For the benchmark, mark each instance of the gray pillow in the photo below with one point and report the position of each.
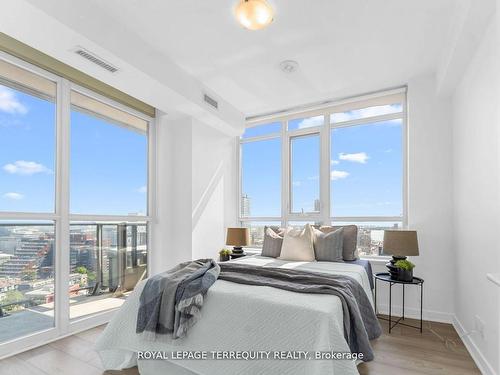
(273, 240)
(328, 247)
(349, 249)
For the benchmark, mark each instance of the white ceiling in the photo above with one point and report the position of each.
(344, 47)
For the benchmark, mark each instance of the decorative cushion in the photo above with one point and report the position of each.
(273, 240)
(298, 245)
(328, 247)
(350, 239)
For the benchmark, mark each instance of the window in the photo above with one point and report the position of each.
(367, 170)
(108, 176)
(257, 231)
(358, 114)
(263, 130)
(106, 261)
(74, 221)
(261, 160)
(341, 164)
(304, 123)
(109, 153)
(27, 188)
(371, 235)
(27, 141)
(27, 278)
(304, 169)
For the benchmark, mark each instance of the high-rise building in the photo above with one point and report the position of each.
(317, 205)
(31, 255)
(245, 205)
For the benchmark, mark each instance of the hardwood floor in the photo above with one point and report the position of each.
(437, 351)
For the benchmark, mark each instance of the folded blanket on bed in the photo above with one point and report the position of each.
(170, 302)
(360, 321)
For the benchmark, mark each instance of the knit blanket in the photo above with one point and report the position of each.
(170, 302)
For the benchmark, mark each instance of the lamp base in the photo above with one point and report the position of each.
(393, 270)
(238, 252)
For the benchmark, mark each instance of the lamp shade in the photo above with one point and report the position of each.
(238, 237)
(401, 242)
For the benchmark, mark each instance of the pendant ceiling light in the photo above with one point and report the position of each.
(254, 14)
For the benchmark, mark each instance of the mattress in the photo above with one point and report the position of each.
(244, 318)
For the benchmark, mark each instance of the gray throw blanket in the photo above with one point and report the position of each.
(360, 321)
(170, 302)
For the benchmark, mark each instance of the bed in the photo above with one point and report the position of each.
(238, 317)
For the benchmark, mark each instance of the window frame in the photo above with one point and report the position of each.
(324, 216)
(61, 216)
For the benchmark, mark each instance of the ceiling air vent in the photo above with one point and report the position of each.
(95, 59)
(210, 101)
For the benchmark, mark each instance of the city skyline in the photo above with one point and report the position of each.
(102, 259)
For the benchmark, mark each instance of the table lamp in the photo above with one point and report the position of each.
(399, 244)
(238, 237)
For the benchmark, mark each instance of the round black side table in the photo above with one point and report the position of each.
(386, 277)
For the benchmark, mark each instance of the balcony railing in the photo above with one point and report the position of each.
(106, 259)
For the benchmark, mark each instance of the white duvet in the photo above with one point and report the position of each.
(237, 317)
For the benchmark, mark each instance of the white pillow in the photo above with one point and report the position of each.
(298, 245)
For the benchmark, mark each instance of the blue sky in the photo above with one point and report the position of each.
(365, 171)
(366, 165)
(261, 163)
(108, 162)
(109, 165)
(305, 155)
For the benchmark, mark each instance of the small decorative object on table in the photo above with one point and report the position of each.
(224, 255)
(238, 237)
(399, 244)
(405, 270)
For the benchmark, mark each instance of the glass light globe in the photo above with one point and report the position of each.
(254, 14)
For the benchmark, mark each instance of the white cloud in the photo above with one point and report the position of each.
(297, 183)
(9, 103)
(311, 122)
(334, 162)
(26, 168)
(338, 175)
(366, 112)
(13, 196)
(359, 157)
(143, 189)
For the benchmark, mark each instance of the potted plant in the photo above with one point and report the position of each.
(225, 255)
(405, 270)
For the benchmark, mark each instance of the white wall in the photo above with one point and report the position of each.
(172, 228)
(476, 170)
(214, 166)
(429, 204)
(195, 191)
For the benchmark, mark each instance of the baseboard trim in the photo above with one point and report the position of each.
(478, 357)
(430, 315)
